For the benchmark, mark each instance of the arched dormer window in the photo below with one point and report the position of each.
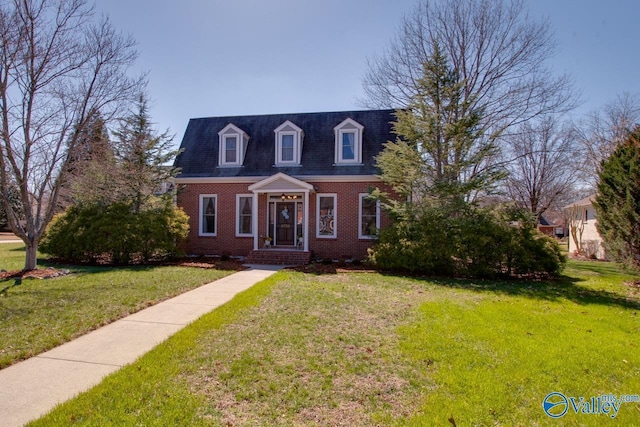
(348, 136)
(288, 144)
(233, 143)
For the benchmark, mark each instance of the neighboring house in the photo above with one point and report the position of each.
(549, 227)
(277, 188)
(546, 227)
(583, 235)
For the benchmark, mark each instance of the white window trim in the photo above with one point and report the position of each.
(298, 135)
(232, 131)
(238, 208)
(201, 214)
(279, 159)
(223, 149)
(335, 216)
(361, 197)
(348, 126)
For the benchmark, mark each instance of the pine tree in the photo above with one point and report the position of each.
(143, 156)
(617, 201)
(441, 154)
(91, 175)
(12, 195)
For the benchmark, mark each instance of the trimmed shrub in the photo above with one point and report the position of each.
(534, 253)
(468, 242)
(115, 233)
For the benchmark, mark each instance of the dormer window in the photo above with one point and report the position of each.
(348, 148)
(288, 144)
(233, 143)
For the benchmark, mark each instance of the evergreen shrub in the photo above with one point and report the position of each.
(115, 233)
(470, 243)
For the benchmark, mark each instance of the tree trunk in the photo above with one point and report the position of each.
(31, 258)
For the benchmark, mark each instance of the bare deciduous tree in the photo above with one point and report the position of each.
(601, 131)
(57, 65)
(542, 165)
(576, 222)
(499, 51)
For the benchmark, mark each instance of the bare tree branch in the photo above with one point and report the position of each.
(499, 51)
(57, 64)
(601, 131)
(543, 165)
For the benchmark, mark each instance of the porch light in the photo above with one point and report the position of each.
(288, 197)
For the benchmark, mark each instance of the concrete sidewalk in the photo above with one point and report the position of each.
(32, 388)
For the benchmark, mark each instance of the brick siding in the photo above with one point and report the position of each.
(345, 245)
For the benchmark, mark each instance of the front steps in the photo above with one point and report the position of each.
(277, 256)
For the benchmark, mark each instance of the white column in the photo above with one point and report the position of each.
(305, 221)
(254, 221)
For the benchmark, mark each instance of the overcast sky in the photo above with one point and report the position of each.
(237, 57)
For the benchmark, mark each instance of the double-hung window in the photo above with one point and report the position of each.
(369, 217)
(288, 144)
(232, 146)
(230, 149)
(244, 215)
(286, 148)
(348, 137)
(348, 147)
(208, 214)
(326, 226)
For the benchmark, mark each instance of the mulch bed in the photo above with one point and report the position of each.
(40, 273)
(208, 262)
(50, 272)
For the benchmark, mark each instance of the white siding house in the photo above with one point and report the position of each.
(583, 235)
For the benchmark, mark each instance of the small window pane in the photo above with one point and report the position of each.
(209, 215)
(348, 146)
(369, 219)
(326, 225)
(287, 148)
(244, 222)
(231, 149)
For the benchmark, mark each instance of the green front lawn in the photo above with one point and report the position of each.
(370, 349)
(39, 314)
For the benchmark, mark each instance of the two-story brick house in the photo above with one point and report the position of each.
(277, 188)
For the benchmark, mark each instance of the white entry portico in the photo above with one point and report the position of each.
(287, 210)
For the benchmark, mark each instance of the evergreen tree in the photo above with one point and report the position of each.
(143, 156)
(91, 175)
(442, 154)
(617, 201)
(12, 195)
(441, 160)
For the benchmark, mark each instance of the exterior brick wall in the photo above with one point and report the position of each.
(347, 244)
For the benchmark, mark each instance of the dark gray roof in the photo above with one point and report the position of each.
(545, 222)
(199, 157)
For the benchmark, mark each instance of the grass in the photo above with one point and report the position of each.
(370, 349)
(37, 315)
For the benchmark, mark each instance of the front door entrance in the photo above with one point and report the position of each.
(285, 223)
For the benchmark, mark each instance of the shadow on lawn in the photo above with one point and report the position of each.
(545, 289)
(549, 290)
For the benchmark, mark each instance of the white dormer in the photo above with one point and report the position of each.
(233, 143)
(288, 144)
(348, 149)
